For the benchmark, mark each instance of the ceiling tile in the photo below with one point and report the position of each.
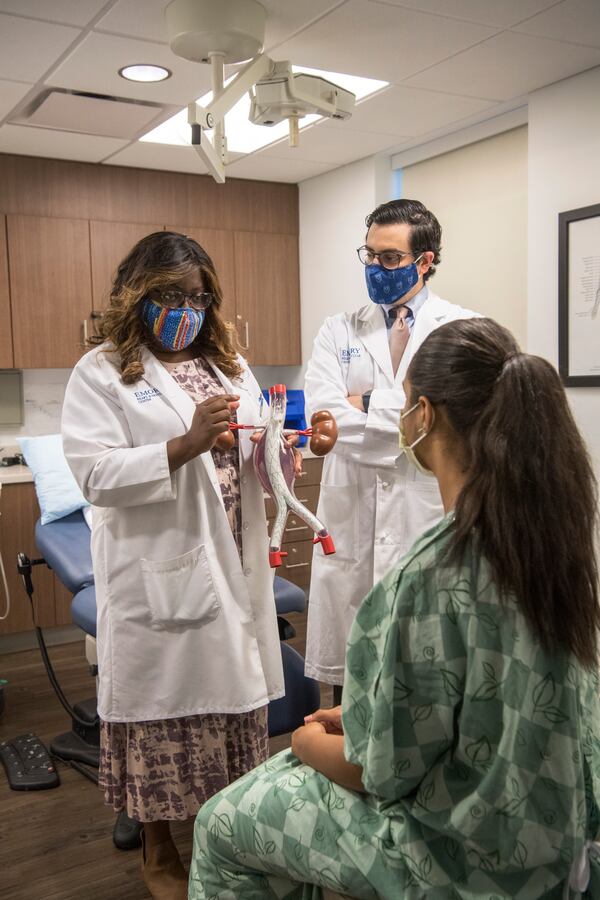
(159, 156)
(28, 47)
(408, 112)
(284, 17)
(322, 143)
(11, 92)
(56, 144)
(390, 45)
(506, 66)
(573, 20)
(94, 66)
(269, 169)
(486, 12)
(66, 12)
(124, 18)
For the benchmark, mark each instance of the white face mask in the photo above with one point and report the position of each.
(408, 449)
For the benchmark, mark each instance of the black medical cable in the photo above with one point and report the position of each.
(24, 565)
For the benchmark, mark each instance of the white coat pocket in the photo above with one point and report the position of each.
(338, 510)
(180, 591)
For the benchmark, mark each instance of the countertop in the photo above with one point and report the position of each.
(20, 474)
(15, 474)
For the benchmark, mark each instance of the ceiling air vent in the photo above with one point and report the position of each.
(87, 113)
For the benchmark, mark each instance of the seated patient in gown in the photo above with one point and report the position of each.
(464, 761)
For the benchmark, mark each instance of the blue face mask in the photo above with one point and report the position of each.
(174, 329)
(389, 285)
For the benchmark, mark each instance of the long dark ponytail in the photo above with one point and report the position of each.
(530, 499)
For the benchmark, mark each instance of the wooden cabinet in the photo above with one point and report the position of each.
(218, 243)
(50, 289)
(6, 350)
(110, 242)
(65, 227)
(267, 298)
(298, 537)
(19, 513)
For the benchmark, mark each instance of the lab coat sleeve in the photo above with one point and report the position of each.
(372, 439)
(383, 419)
(99, 448)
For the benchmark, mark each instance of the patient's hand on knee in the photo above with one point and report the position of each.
(330, 718)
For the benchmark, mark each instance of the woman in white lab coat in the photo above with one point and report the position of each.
(188, 646)
(374, 504)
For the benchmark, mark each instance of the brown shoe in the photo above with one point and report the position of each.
(163, 871)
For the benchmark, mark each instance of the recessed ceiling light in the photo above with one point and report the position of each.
(144, 72)
(242, 135)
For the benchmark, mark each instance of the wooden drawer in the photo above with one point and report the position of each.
(295, 567)
(308, 494)
(312, 468)
(296, 530)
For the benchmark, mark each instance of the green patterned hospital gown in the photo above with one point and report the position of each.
(480, 756)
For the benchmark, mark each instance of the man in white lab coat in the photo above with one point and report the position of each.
(374, 502)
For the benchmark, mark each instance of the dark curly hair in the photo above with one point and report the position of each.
(157, 261)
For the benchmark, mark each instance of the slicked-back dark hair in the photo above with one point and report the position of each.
(530, 499)
(425, 230)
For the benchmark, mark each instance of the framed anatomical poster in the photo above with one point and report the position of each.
(579, 296)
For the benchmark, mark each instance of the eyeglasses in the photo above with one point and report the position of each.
(389, 259)
(175, 299)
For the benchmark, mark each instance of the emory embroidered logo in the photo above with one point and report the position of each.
(349, 353)
(147, 394)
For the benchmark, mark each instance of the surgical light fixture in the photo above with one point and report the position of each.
(145, 72)
(271, 93)
(242, 135)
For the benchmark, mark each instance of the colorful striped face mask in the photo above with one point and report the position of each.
(174, 329)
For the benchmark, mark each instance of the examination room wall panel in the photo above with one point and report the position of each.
(479, 195)
(6, 350)
(564, 151)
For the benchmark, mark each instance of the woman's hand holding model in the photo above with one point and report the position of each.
(211, 420)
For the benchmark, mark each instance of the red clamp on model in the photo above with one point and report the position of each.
(326, 542)
(275, 557)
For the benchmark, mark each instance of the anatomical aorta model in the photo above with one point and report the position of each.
(274, 465)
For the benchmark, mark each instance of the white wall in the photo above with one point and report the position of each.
(479, 195)
(333, 207)
(564, 174)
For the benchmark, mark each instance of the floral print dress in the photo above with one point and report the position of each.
(166, 769)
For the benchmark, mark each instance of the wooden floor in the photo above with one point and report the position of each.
(57, 844)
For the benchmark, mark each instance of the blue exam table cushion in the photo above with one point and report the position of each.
(65, 545)
(57, 491)
(83, 609)
(288, 597)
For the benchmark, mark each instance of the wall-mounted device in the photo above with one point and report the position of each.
(11, 397)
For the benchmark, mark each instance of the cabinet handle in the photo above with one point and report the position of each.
(302, 499)
(298, 566)
(245, 346)
(298, 528)
(85, 331)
